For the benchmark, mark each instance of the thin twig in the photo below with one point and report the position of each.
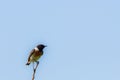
(34, 70)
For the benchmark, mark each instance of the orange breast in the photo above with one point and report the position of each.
(38, 54)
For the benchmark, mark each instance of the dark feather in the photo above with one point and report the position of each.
(31, 53)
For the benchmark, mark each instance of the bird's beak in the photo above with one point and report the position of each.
(45, 45)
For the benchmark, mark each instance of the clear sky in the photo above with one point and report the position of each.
(83, 39)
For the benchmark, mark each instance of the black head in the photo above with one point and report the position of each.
(41, 47)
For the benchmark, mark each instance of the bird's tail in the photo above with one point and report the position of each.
(28, 63)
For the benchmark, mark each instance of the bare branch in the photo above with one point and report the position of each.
(34, 70)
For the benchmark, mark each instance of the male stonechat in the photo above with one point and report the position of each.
(35, 54)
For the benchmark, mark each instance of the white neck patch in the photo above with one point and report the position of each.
(36, 48)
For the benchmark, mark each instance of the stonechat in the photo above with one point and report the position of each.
(35, 54)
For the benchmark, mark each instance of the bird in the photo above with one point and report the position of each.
(35, 54)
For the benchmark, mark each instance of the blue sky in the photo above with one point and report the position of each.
(82, 38)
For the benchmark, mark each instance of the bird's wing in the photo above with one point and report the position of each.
(31, 53)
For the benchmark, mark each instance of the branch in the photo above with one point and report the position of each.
(34, 70)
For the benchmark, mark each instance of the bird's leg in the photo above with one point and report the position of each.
(34, 69)
(37, 64)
